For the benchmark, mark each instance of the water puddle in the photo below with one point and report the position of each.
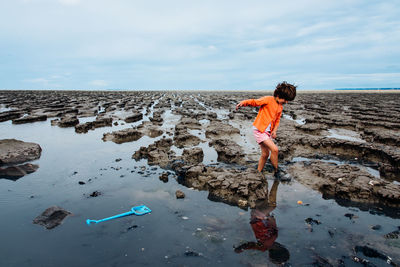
(300, 121)
(3, 108)
(345, 134)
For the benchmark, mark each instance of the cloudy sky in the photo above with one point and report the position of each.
(198, 44)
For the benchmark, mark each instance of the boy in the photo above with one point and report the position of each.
(266, 123)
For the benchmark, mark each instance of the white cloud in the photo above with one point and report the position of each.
(100, 83)
(38, 80)
(177, 42)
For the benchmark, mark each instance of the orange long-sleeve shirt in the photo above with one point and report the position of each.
(270, 112)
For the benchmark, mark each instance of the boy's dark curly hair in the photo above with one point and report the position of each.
(285, 91)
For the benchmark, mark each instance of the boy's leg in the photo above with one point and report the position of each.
(272, 194)
(263, 157)
(269, 145)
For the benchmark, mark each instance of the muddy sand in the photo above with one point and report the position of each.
(344, 145)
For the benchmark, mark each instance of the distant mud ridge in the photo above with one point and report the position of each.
(345, 145)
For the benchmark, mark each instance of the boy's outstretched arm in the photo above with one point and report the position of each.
(241, 104)
(253, 102)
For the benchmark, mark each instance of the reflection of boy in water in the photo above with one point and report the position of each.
(265, 230)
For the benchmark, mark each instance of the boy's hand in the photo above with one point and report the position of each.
(273, 134)
(239, 105)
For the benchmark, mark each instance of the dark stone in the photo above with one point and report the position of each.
(132, 227)
(29, 119)
(81, 182)
(191, 253)
(68, 122)
(311, 221)
(134, 118)
(10, 115)
(164, 177)
(376, 227)
(193, 155)
(95, 194)
(91, 125)
(123, 136)
(179, 194)
(14, 151)
(393, 235)
(51, 217)
(351, 216)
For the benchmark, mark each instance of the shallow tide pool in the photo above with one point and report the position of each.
(194, 231)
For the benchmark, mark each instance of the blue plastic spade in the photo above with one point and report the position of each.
(138, 210)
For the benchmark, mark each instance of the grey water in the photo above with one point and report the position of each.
(194, 231)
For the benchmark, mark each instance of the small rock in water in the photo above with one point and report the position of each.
(191, 253)
(95, 194)
(179, 194)
(376, 227)
(164, 177)
(132, 227)
(51, 217)
(312, 221)
(393, 235)
(81, 183)
(351, 216)
(117, 160)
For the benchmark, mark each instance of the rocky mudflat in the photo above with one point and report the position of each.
(345, 145)
(15, 152)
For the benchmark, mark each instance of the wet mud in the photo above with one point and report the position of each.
(347, 143)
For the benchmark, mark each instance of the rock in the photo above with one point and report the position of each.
(150, 130)
(183, 139)
(68, 122)
(191, 253)
(311, 221)
(376, 227)
(373, 253)
(158, 153)
(95, 194)
(232, 186)
(228, 151)
(220, 130)
(193, 156)
(179, 194)
(29, 119)
(164, 177)
(51, 217)
(393, 235)
(14, 151)
(345, 181)
(134, 117)
(123, 136)
(91, 125)
(10, 115)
